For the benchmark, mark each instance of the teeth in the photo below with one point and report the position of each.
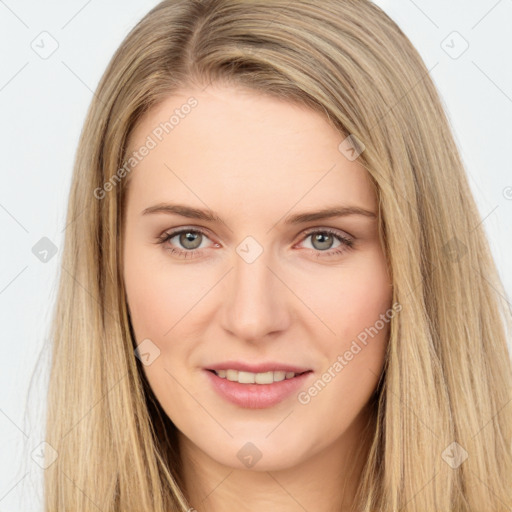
(232, 375)
(254, 378)
(264, 378)
(278, 376)
(246, 377)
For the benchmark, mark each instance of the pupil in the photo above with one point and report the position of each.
(324, 239)
(189, 240)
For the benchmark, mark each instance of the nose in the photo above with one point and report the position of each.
(256, 301)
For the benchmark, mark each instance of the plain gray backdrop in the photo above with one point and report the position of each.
(53, 54)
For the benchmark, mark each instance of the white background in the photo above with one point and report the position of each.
(43, 104)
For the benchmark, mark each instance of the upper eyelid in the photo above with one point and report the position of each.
(337, 231)
(172, 233)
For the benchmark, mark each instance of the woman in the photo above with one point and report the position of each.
(277, 291)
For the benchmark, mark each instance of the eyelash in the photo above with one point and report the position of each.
(346, 243)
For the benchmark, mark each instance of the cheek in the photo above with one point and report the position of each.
(158, 293)
(159, 296)
(355, 310)
(163, 300)
(368, 296)
(355, 297)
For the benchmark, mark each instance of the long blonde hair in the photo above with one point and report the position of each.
(448, 376)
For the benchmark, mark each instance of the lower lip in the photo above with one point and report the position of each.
(256, 396)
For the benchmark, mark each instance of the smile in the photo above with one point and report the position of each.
(255, 378)
(242, 389)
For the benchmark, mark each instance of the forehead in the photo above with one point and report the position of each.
(240, 145)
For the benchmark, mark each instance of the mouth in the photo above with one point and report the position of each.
(244, 377)
(256, 390)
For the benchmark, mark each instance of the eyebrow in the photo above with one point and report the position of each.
(299, 218)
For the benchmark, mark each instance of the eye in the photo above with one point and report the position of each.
(324, 242)
(328, 242)
(189, 239)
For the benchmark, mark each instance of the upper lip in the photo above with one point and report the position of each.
(258, 368)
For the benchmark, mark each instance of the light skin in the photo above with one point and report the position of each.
(256, 161)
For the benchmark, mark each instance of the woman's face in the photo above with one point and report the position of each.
(229, 264)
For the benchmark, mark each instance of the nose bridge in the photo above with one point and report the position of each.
(255, 303)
